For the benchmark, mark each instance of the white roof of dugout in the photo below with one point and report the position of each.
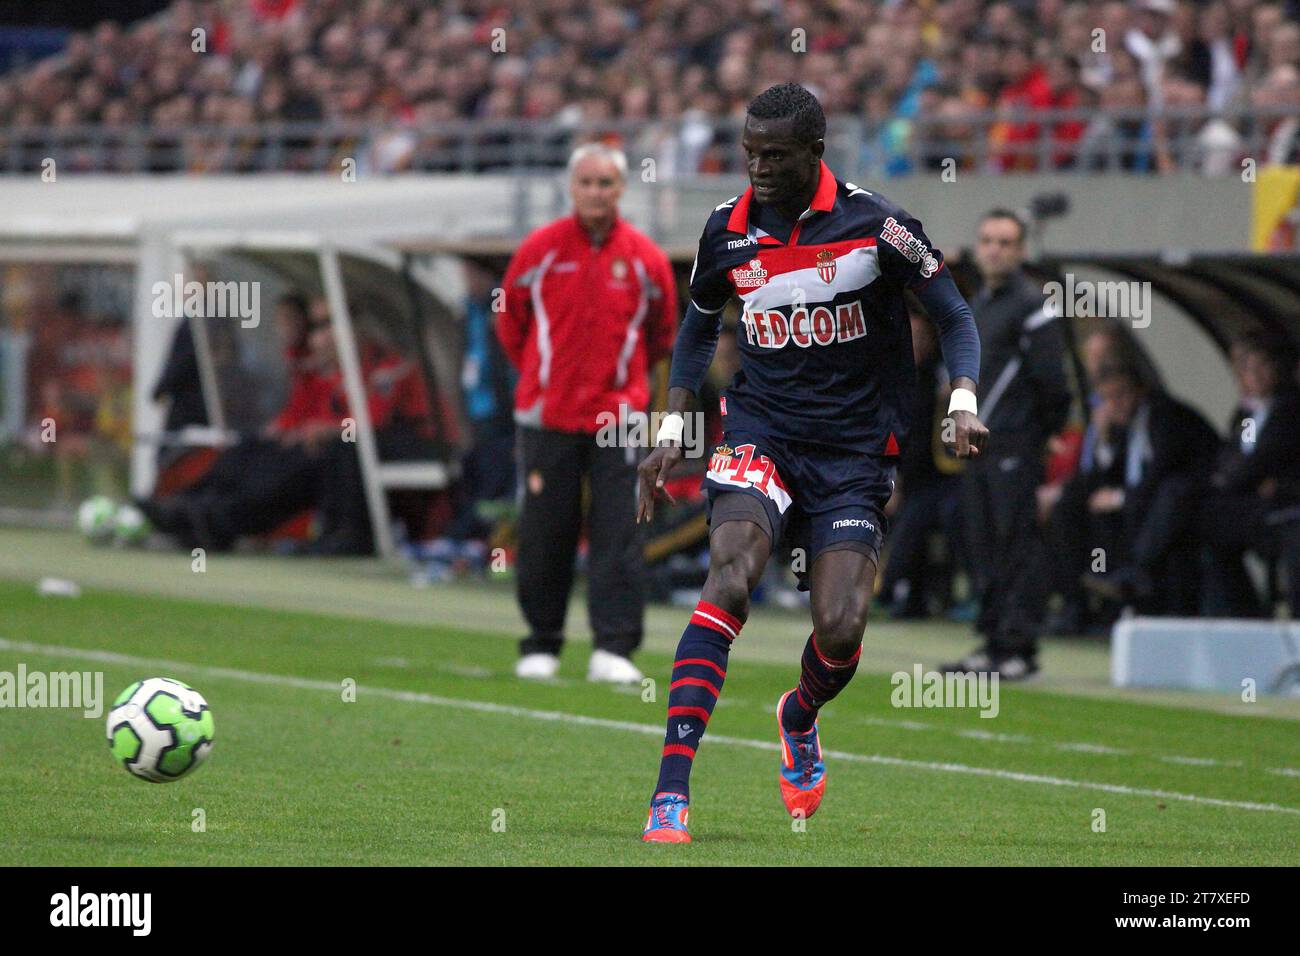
(116, 210)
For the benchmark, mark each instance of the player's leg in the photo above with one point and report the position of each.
(550, 521)
(844, 496)
(841, 585)
(738, 550)
(615, 565)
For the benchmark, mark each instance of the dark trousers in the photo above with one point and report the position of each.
(340, 490)
(254, 487)
(1004, 545)
(1159, 541)
(1073, 536)
(1290, 534)
(487, 474)
(552, 468)
(1231, 525)
(926, 509)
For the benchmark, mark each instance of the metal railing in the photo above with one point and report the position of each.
(1072, 141)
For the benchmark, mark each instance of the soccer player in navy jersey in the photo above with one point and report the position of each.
(813, 422)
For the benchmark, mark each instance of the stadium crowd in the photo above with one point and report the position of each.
(924, 73)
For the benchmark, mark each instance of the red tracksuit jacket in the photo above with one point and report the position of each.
(584, 325)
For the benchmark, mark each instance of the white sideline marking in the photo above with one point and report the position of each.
(1077, 747)
(996, 738)
(487, 707)
(1199, 761)
(1087, 748)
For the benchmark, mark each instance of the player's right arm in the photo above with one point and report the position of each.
(697, 339)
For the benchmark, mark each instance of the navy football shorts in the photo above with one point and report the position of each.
(814, 497)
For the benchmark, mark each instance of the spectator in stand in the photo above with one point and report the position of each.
(1173, 135)
(1066, 94)
(1149, 471)
(1255, 481)
(487, 481)
(1025, 92)
(258, 483)
(1280, 94)
(1062, 505)
(1123, 141)
(1208, 57)
(391, 65)
(1153, 41)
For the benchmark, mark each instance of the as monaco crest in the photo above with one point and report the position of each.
(826, 265)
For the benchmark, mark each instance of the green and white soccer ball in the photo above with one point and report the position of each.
(130, 526)
(96, 518)
(160, 729)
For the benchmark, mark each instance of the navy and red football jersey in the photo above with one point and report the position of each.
(825, 341)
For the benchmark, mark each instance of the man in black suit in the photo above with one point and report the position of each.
(1025, 399)
(1159, 450)
(1255, 481)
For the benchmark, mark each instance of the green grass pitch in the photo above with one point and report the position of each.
(444, 758)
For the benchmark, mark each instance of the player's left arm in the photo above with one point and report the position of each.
(960, 342)
(907, 256)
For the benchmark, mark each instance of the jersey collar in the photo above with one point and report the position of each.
(823, 201)
(614, 228)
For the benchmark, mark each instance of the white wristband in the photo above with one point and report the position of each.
(670, 429)
(963, 400)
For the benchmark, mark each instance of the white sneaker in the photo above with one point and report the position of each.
(537, 666)
(612, 669)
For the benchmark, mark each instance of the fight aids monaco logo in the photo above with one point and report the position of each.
(750, 278)
(912, 248)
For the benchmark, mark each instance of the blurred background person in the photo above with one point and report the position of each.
(1255, 477)
(1024, 399)
(591, 307)
(485, 491)
(1063, 504)
(1151, 456)
(927, 489)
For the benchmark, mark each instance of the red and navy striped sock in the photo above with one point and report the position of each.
(698, 672)
(820, 679)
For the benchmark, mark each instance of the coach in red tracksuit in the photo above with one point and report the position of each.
(590, 307)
